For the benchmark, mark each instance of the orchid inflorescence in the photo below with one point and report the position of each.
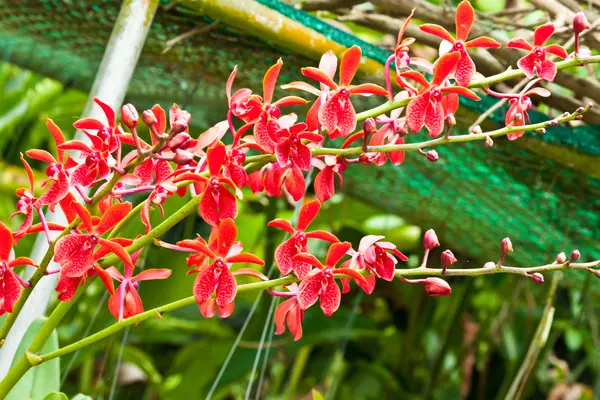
(270, 152)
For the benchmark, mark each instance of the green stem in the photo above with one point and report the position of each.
(353, 151)
(538, 342)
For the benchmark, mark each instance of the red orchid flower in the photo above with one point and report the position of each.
(11, 285)
(465, 16)
(401, 57)
(125, 302)
(427, 109)
(286, 251)
(25, 203)
(536, 59)
(520, 103)
(217, 203)
(107, 136)
(95, 167)
(290, 148)
(434, 286)
(337, 115)
(374, 256)
(325, 179)
(74, 252)
(320, 282)
(272, 178)
(327, 64)
(56, 171)
(289, 312)
(217, 277)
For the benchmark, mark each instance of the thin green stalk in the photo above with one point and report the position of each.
(299, 364)
(537, 343)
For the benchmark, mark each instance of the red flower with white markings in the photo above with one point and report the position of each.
(520, 103)
(11, 285)
(320, 282)
(74, 252)
(217, 203)
(427, 109)
(107, 135)
(93, 168)
(217, 276)
(290, 148)
(465, 16)
(289, 312)
(125, 302)
(286, 251)
(337, 115)
(536, 59)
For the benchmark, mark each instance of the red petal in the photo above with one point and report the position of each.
(483, 42)
(322, 235)
(108, 111)
(217, 204)
(295, 184)
(282, 224)
(557, 50)
(12, 291)
(299, 85)
(325, 184)
(118, 250)
(88, 123)
(308, 213)
(308, 292)
(229, 84)
(208, 309)
(225, 310)
(330, 298)
(319, 76)
(546, 70)
(113, 216)
(225, 236)
(66, 287)
(6, 242)
(542, 34)
(72, 254)
(519, 43)
(261, 133)
(76, 145)
(444, 67)
(249, 271)
(245, 258)
(216, 157)
(351, 273)
(415, 111)
(284, 256)
(434, 119)
(346, 116)
(290, 101)
(161, 119)
(205, 284)
(226, 288)
(527, 64)
(106, 278)
(349, 65)
(368, 88)
(464, 69)
(336, 252)
(41, 155)
(58, 136)
(84, 215)
(312, 116)
(281, 313)
(461, 91)
(417, 77)
(397, 157)
(56, 192)
(152, 274)
(438, 31)
(270, 80)
(309, 259)
(465, 16)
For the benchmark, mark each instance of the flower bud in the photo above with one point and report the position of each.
(365, 159)
(450, 120)
(476, 130)
(369, 126)
(595, 272)
(561, 258)
(181, 122)
(488, 141)
(181, 140)
(149, 118)
(129, 116)
(447, 259)
(489, 264)
(432, 156)
(506, 246)
(437, 287)
(580, 23)
(430, 240)
(537, 278)
(575, 255)
(183, 157)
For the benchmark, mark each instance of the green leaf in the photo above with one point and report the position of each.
(44, 378)
(316, 395)
(573, 338)
(56, 396)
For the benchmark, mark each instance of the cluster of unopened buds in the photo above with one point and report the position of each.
(268, 152)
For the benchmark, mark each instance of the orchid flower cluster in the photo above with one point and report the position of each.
(269, 152)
